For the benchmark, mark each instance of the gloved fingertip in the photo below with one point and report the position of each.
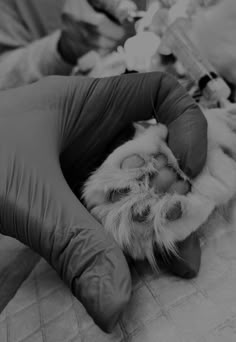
(186, 264)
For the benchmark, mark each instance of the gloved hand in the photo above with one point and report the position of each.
(52, 134)
(97, 25)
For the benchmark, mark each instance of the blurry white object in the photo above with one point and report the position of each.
(168, 3)
(112, 65)
(179, 9)
(93, 65)
(140, 49)
(87, 62)
(214, 32)
(137, 54)
(147, 19)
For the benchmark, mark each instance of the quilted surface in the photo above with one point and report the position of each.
(162, 309)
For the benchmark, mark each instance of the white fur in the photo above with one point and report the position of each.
(214, 187)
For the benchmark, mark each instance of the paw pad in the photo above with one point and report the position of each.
(160, 161)
(180, 187)
(175, 212)
(132, 162)
(164, 179)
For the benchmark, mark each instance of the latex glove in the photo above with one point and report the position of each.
(52, 134)
(97, 25)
